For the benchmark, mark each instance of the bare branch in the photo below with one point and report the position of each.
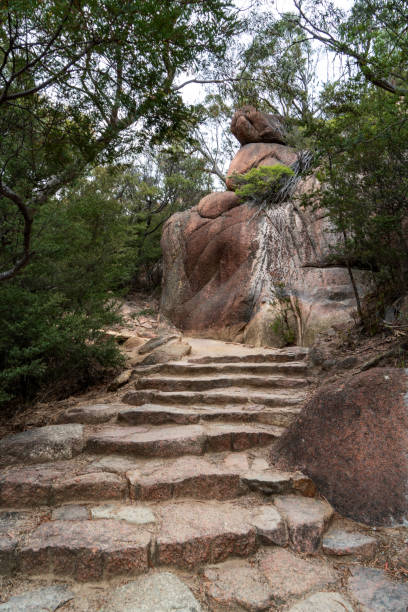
(343, 48)
(5, 97)
(27, 215)
(208, 81)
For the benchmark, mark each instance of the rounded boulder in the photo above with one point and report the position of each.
(352, 440)
(250, 125)
(215, 204)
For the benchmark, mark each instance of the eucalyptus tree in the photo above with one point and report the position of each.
(361, 139)
(373, 35)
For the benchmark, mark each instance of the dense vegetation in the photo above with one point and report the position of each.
(84, 86)
(98, 148)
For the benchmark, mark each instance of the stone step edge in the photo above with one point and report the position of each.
(131, 485)
(178, 440)
(215, 382)
(219, 396)
(251, 358)
(186, 370)
(162, 414)
(261, 525)
(113, 413)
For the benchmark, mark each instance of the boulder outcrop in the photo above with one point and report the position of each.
(234, 271)
(250, 125)
(352, 440)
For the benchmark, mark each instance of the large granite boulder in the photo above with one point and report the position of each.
(250, 125)
(352, 440)
(259, 154)
(236, 272)
(233, 272)
(209, 271)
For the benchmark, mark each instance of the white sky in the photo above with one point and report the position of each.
(327, 66)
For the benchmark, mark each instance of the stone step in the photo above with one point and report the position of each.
(296, 353)
(174, 441)
(128, 539)
(233, 395)
(60, 482)
(205, 478)
(204, 383)
(185, 368)
(85, 550)
(160, 414)
(268, 581)
(113, 478)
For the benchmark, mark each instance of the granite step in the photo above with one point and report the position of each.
(185, 368)
(160, 414)
(204, 383)
(128, 539)
(296, 353)
(174, 441)
(116, 478)
(207, 478)
(232, 395)
(281, 416)
(181, 534)
(61, 482)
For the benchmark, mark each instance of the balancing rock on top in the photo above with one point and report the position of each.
(250, 125)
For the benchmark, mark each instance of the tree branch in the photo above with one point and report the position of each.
(5, 97)
(27, 214)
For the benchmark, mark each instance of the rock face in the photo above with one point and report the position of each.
(352, 440)
(209, 280)
(215, 204)
(220, 272)
(234, 272)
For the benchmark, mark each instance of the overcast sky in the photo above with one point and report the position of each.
(327, 66)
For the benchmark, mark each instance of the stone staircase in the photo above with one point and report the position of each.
(174, 478)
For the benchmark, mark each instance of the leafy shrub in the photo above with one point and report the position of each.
(54, 312)
(44, 341)
(260, 184)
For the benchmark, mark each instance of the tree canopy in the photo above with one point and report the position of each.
(81, 81)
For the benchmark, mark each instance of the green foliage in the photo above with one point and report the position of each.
(54, 312)
(168, 181)
(282, 325)
(279, 68)
(145, 312)
(261, 184)
(362, 153)
(281, 328)
(46, 343)
(84, 82)
(96, 240)
(372, 35)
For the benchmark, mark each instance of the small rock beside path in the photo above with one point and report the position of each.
(375, 592)
(160, 592)
(46, 599)
(42, 444)
(340, 542)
